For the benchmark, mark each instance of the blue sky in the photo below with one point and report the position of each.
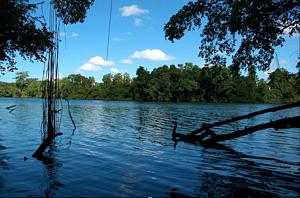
(136, 38)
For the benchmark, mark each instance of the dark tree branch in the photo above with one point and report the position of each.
(71, 117)
(273, 109)
(285, 123)
(209, 137)
(39, 152)
(205, 136)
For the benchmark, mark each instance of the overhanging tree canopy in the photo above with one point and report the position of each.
(260, 25)
(21, 30)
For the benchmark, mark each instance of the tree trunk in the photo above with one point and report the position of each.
(39, 152)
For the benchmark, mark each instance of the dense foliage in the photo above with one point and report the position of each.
(181, 83)
(23, 32)
(248, 30)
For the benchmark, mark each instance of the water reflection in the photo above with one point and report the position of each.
(152, 123)
(3, 165)
(51, 166)
(125, 149)
(235, 174)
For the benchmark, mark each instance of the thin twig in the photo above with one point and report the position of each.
(71, 116)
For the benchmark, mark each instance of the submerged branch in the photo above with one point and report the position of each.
(39, 152)
(206, 136)
(273, 109)
(209, 137)
(12, 106)
(285, 123)
(71, 117)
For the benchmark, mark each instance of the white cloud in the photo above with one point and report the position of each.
(97, 60)
(284, 62)
(148, 54)
(114, 70)
(132, 10)
(138, 22)
(89, 67)
(274, 63)
(267, 73)
(60, 75)
(74, 34)
(63, 34)
(128, 33)
(116, 39)
(126, 61)
(152, 54)
(95, 64)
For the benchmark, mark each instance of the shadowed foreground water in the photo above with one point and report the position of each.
(125, 149)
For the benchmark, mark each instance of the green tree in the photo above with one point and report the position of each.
(33, 88)
(23, 32)
(159, 87)
(7, 89)
(77, 86)
(282, 85)
(107, 79)
(258, 26)
(263, 91)
(184, 82)
(21, 82)
(298, 78)
(105, 90)
(141, 84)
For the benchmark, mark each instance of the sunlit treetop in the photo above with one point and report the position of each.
(246, 30)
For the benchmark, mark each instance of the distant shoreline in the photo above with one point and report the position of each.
(166, 102)
(182, 83)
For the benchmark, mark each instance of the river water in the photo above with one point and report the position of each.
(125, 149)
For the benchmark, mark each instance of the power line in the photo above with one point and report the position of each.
(109, 27)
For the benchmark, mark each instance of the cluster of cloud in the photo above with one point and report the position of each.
(134, 10)
(274, 65)
(114, 70)
(95, 64)
(138, 22)
(117, 39)
(73, 34)
(148, 54)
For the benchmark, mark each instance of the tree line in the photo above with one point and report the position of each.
(174, 83)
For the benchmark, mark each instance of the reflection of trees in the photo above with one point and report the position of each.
(225, 172)
(249, 175)
(151, 123)
(3, 165)
(153, 117)
(51, 183)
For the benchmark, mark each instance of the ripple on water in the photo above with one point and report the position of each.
(125, 149)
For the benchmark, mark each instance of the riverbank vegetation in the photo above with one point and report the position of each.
(181, 83)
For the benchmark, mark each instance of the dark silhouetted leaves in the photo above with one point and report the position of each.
(24, 33)
(259, 26)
